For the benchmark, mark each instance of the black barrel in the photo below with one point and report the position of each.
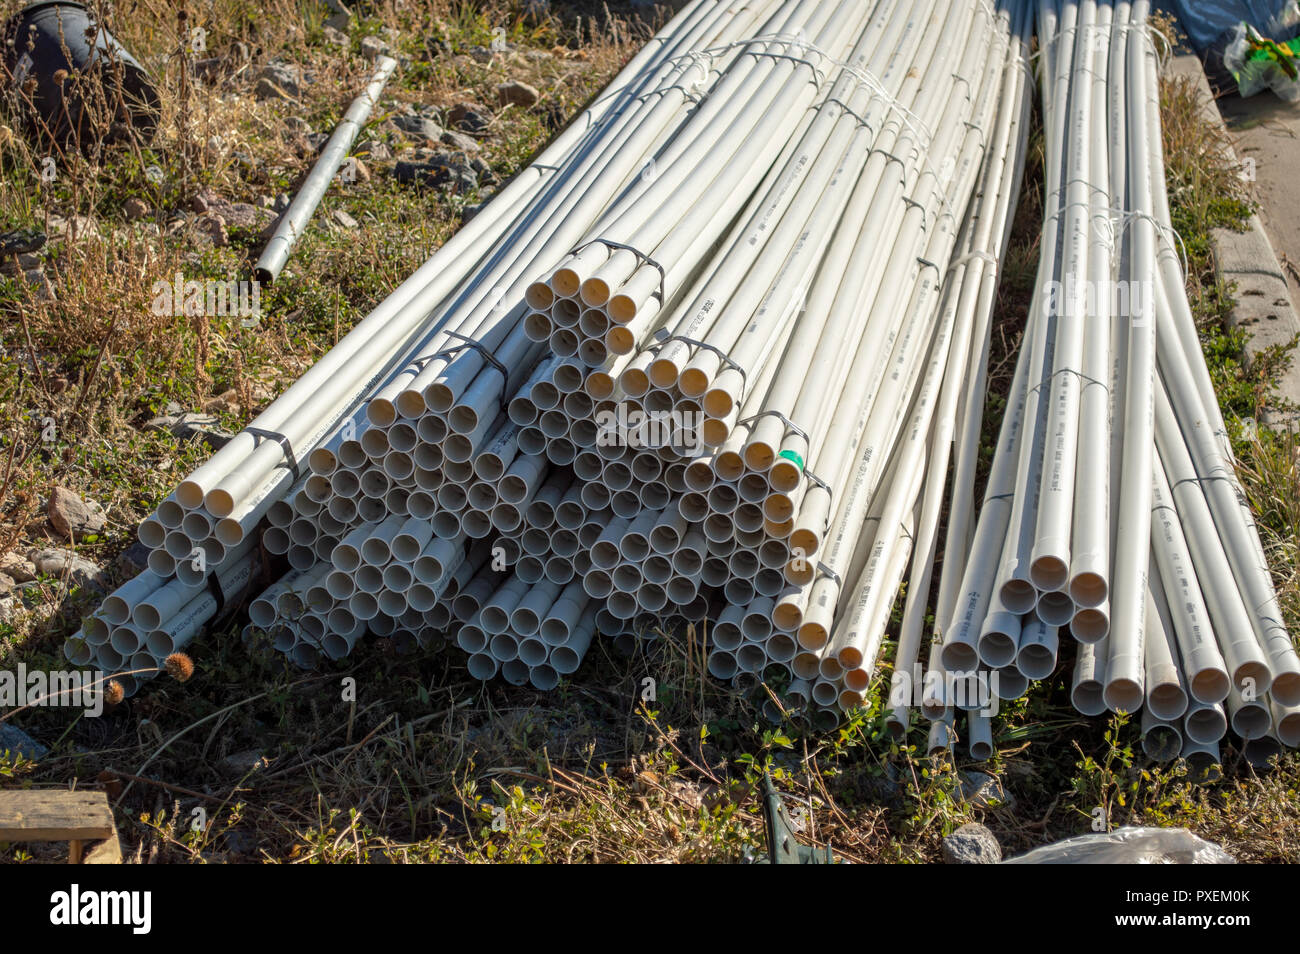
(104, 94)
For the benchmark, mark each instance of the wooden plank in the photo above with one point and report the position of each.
(54, 815)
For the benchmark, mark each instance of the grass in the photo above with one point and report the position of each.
(405, 758)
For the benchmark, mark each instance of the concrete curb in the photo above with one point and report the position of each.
(1262, 302)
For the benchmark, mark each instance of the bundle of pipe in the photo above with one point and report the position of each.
(471, 463)
(1112, 508)
(195, 534)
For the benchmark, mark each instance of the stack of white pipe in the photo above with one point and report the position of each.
(1113, 512)
(750, 169)
(709, 362)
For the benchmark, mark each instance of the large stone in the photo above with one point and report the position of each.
(65, 564)
(443, 170)
(192, 426)
(515, 93)
(73, 517)
(470, 118)
(971, 844)
(372, 48)
(17, 742)
(279, 81)
(421, 128)
(459, 141)
(17, 566)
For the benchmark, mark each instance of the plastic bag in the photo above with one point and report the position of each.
(1263, 59)
(1129, 846)
(1206, 21)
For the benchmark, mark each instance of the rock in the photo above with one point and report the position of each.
(234, 215)
(17, 566)
(21, 263)
(372, 48)
(470, 118)
(971, 844)
(482, 170)
(459, 141)
(281, 203)
(419, 127)
(134, 559)
(342, 22)
(298, 126)
(9, 607)
(376, 150)
(192, 427)
(984, 790)
(73, 517)
(443, 171)
(214, 227)
(345, 220)
(538, 56)
(61, 564)
(241, 763)
(135, 209)
(334, 36)
(316, 141)
(6, 584)
(515, 93)
(22, 241)
(279, 81)
(481, 54)
(17, 742)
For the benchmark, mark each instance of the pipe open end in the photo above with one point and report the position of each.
(813, 635)
(717, 402)
(1286, 689)
(595, 292)
(1036, 662)
(622, 309)
(1055, 608)
(959, 657)
(1090, 625)
(539, 296)
(1123, 695)
(1089, 589)
(997, 650)
(1049, 573)
(1019, 596)
(1167, 702)
(566, 282)
(693, 382)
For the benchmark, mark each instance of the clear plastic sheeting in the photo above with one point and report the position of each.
(1130, 845)
(1261, 58)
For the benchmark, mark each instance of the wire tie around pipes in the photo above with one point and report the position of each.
(925, 262)
(642, 257)
(783, 419)
(284, 444)
(214, 587)
(1128, 216)
(976, 254)
(488, 356)
(909, 201)
(723, 356)
(827, 571)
